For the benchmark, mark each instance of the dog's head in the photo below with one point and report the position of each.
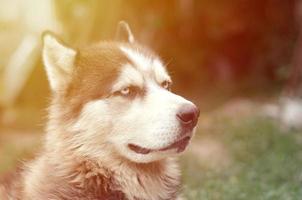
(115, 96)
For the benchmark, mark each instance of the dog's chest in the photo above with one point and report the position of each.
(88, 181)
(109, 186)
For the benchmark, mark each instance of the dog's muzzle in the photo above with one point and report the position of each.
(179, 145)
(188, 117)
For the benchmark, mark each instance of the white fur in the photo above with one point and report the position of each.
(141, 61)
(124, 27)
(58, 61)
(93, 146)
(160, 72)
(128, 76)
(149, 121)
(147, 65)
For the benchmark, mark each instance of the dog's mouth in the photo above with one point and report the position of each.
(179, 145)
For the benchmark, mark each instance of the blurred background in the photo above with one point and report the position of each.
(239, 60)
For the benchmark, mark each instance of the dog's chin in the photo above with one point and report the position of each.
(139, 153)
(176, 147)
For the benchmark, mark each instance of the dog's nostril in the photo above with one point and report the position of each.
(188, 115)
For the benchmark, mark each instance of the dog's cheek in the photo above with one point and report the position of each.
(95, 116)
(141, 125)
(155, 121)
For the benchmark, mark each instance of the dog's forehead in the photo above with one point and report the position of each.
(145, 62)
(98, 67)
(110, 58)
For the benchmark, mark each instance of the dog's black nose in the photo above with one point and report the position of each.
(188, 115)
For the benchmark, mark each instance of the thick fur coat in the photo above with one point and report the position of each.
(114, 127)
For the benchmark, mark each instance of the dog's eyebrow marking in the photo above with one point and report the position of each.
(147, 64)
(160, 72)
(140, 60)
(128, 76)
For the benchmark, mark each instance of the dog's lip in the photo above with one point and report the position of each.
(138, 149)
(180, 145)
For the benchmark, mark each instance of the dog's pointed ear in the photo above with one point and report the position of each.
(58, 60)
(123, 32)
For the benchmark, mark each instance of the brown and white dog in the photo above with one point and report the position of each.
(114, 126)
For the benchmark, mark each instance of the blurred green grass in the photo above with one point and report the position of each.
(242, 158)
(266, 163)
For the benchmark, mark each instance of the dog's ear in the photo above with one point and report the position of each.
(58, 61)
(123, 32)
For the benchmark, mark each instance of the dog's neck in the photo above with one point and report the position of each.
(110, 177)
(118, 179)
(126, 181)
(158, 180)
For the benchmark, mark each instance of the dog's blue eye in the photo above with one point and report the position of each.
(127, 92)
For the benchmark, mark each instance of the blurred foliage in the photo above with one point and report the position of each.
(215, 43)
(212, 42)
(226, 41)
(265, 163)
(213, 49)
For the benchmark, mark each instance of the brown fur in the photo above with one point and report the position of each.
(95, 70)
(61, 172)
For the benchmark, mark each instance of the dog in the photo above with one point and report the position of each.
(114, 128)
